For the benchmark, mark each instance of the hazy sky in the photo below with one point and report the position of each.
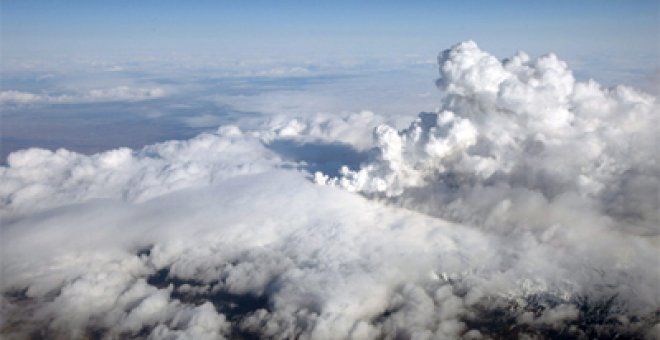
(613, 29)
(87, 53)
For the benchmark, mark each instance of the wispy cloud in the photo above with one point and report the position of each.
(114, 94)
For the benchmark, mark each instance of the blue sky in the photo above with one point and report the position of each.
(313, 28)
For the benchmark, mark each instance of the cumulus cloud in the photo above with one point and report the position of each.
(113, 94)
(520, 130)
(36, 178)
(526, 206)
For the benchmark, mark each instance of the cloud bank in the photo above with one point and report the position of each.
(527, 206)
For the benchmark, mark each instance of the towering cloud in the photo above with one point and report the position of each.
(515, 132)
(526, 206)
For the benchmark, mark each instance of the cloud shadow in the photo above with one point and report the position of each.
(327, 157)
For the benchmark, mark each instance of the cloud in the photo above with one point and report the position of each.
(36, 178)
(473, 222)
(504, 135)
(114, 94)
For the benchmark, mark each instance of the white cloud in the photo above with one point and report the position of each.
(114, 94)
(517, 130)
(225, 234)
(37, 178)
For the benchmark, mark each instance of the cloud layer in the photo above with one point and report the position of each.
(526, 206)
(113, 94)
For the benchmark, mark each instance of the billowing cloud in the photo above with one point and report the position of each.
(526, 206)
(113, 94)
(517, 133)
